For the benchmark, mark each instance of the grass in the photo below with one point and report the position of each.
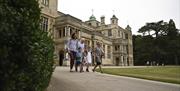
(163, 74)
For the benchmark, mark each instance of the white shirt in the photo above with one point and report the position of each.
(72, 45)
(81, 45)
(89, 57)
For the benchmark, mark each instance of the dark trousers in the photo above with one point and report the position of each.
(72, 58)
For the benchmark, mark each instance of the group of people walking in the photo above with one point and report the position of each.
(81, 54)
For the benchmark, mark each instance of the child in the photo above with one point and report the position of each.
(82, 46)
(98, 57)
(78, 59)
(66, 57)
(89, 59)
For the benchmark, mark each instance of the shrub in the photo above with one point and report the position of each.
(26, 52)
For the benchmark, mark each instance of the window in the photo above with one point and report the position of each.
(108, 51)
(113, 21)
(77, 33)
(59, 33)
(64, 33)
(126, 36)
(123, 35)
(71, 31)
(89, 24)
(87, 42)
(117, 48)
(44, 23)
(121, 48)
(119, 33)
(97, 24)
(109, 33)
(45, 2)
(127, 49)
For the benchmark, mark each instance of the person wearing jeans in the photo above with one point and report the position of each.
(72, 49)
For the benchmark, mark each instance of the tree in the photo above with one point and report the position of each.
(161, 45)
(173, 46)
(155, 27)
(143, 49)
(26, 52)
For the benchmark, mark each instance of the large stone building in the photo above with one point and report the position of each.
(116, 41)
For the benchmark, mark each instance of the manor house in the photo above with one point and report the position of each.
(115, 40)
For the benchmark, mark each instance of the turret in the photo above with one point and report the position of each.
(92, 21)
(114, 20)
(92, 18)
(102, 20)
(128, 28)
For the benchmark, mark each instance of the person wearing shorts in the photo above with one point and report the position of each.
(78, 62)
(98, 55)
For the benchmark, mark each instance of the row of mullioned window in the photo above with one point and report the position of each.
(44, 20)
(45, 3)
(44, 23)
(121, 48)
(63, 32)
(119, 34)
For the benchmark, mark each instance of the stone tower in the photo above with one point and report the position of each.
(114, 20)
(92, 21)
(128, 28)
(102, 20)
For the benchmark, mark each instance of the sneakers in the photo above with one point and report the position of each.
(81, 71)
(87, 70)
(71, 70)
(93, 70)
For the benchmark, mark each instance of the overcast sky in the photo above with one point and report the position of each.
(133, 12)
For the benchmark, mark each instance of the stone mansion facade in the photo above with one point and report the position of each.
(116, 41)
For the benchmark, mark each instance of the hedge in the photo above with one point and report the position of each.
(26, 52)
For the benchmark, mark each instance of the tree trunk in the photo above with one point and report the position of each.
(149, 33)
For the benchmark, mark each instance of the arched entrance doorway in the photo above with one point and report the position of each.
(61, 57)
(117, 61)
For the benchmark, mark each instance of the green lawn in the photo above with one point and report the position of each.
(164, 74)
